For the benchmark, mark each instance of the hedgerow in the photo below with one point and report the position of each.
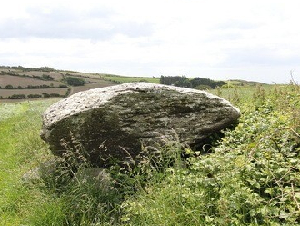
(250, 178)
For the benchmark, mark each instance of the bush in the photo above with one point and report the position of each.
(72, 81)
(182, 81)
(47, 77)
(17, 96)
(250, 178)
(46, 95)
(203, 87)
(44, 86)
(9, 87)
(34, 96)
(87, 200)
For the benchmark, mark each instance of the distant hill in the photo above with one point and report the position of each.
(19, 83)
(24, 83)
(239, 82)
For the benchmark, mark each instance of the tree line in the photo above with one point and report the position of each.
(182, 81)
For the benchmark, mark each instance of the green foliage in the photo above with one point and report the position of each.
(21, 149)
(54, 95)
(252, 176)
(122, 79)
(67, 92)
(38, 86)
(72, 81)
(9, 87)
(85, 198)
(182, 81)
(46, 95)
(34, 96)
(17, 96)
(203, 87)
(206, 81)
(47, 77)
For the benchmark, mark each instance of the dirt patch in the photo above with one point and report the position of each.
(24, 82)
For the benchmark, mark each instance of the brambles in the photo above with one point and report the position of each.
(252, 176)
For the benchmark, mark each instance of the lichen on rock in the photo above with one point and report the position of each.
(111, 123)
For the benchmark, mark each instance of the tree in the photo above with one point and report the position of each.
(74, 81)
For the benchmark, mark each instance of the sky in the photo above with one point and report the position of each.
(254, 40)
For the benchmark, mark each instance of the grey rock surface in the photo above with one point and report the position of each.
(111, 123)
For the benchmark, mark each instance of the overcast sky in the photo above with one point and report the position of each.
(255, 40)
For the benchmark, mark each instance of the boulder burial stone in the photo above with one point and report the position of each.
(114, 123)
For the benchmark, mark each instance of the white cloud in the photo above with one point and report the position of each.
(208, 38)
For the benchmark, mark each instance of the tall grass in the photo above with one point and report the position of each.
(20, 150)
(251, 176)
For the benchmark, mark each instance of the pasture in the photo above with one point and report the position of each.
(124, 79)
(17, 83)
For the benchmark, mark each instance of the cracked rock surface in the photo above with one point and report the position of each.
(111, 123)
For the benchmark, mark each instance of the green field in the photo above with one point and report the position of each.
(21, 149)
(19, 84)
(123, 79)
(250, 176)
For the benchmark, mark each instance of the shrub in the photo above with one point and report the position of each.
(250, 178)
(54, 95)
(203, 87)
(9, 87)
(47, 77)
(34, 96)
(17, 96)
(46, 95)
(72, 81)
(86, 199)
(44, 86)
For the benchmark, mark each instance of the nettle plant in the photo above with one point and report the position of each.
(251, 177)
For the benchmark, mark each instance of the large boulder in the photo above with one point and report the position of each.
(113, 123)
